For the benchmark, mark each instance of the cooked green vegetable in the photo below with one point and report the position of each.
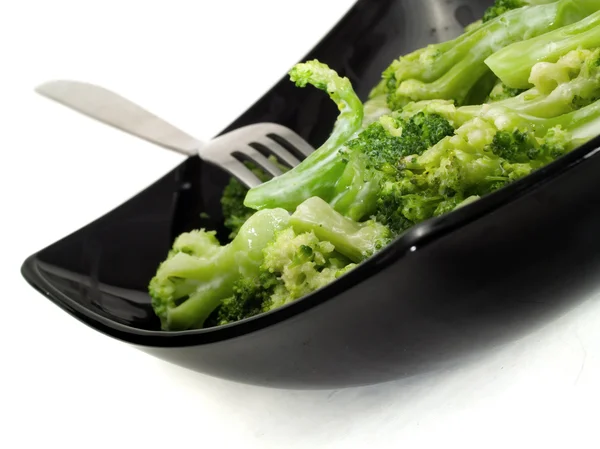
(372, 159)
(449, 70)
(317, 174)
(502, 6)
(199, 273)
(275, 258)
(232, 200)
(501, 91)
(513, 63)
(447, 125)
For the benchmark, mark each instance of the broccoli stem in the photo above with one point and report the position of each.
(456, 66)
(356, 241)
(513, 63)
(357, 189)
(560, 101)
(318, 173)
(583, 124)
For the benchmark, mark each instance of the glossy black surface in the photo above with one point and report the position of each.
(449, 288)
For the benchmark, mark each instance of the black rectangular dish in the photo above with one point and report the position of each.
(448, 288)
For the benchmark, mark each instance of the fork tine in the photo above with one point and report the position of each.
(292, 138)
(237, 169)
(280, 152)
(254, 143)
(253, 155)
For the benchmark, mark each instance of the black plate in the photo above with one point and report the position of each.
(449, 287)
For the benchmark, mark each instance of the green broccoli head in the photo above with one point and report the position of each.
(405, 202)
(251, 297)
(308, 250)
(302, 263)
(516, 146)
(295, 265)
(483, 155)
(390, 138)
(373, 158)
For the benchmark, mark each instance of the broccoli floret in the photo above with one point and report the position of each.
(350, 168)
(302, 263)
(517, 146)
(274, 259)
(385, 141)
(199, 273)
(356, 241)
(406, 202)
(570, 83)
(449, 70)
(484, 154)
(373, 158)
(296, 263)
(251, 296)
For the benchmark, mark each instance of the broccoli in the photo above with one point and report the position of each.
(316, 175)
(302, 263)
(252, 274)
(502, 6)
(447, 125)
(251, 296)
(319, 246)
(516, 146)
(436, 181)
(198, 272)
(347, 170)
(496, 147)
(449, 70)
(295, 264)
(561, 87)
(513, 64)
(501, 91)
(374, 108)
(356, 241)
(373, 158)
(384, 141)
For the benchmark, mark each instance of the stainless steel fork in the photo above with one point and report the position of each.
(253, 143)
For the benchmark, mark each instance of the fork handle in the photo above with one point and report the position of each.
(112, 109)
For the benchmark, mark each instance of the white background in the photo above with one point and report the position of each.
(198, 65)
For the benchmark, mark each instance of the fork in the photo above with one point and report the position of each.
(253, 143)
